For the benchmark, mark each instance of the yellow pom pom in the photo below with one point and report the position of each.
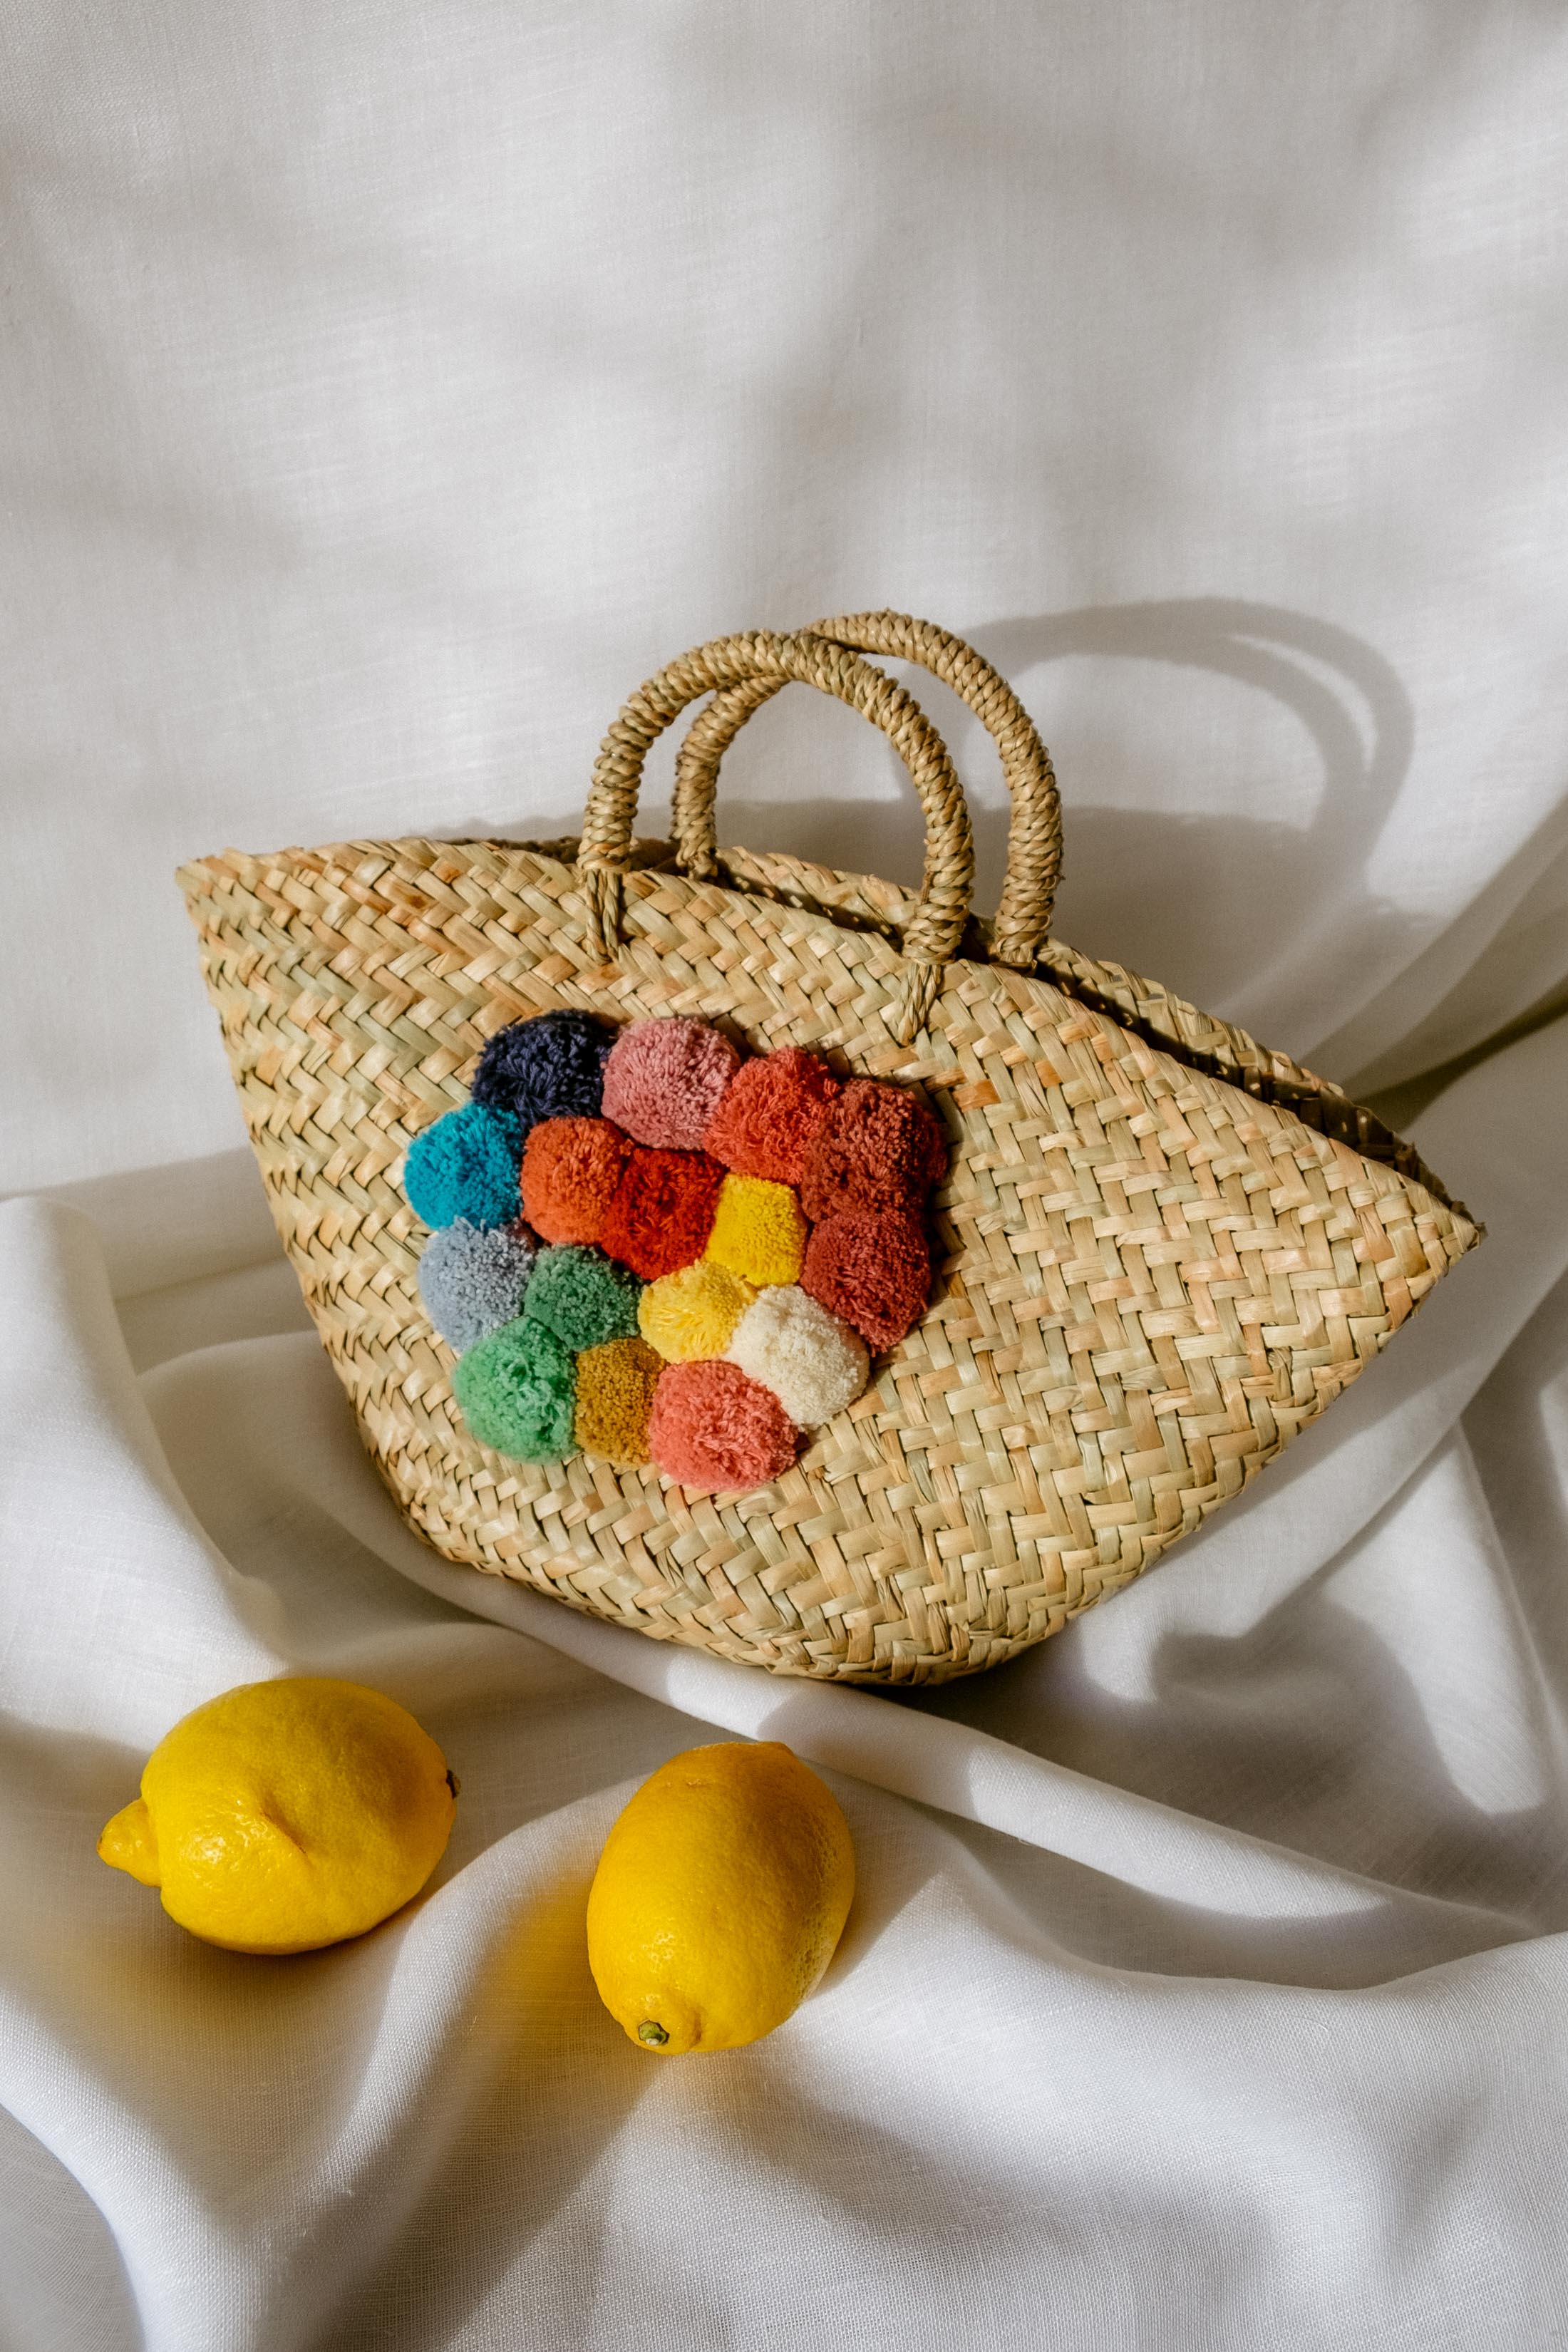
(692, 1314)
(758, 1232)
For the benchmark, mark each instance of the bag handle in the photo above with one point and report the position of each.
(604, 857)
(1034, 836)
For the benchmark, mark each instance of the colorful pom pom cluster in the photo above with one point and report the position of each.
(650, 1249)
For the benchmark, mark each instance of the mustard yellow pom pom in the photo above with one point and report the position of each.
(759, 1232)
(692, 1314)
(615, 1396)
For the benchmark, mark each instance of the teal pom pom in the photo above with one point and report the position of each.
(577, 1294)
(466, 1166)
(518, 1391)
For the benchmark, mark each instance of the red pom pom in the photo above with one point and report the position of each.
(662, 1214)
(874, 1271)
(570, 1168)
(715, 1429)
(880, 1148)
(772, 1113)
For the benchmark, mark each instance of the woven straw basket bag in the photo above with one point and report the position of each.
(1159, 1249)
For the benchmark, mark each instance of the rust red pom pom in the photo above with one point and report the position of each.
(874, 1271)
(878, 1149)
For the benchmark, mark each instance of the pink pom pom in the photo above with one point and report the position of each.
(664, 1080)
(717, 1431)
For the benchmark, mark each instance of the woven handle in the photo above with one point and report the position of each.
(604, 856)
(1035, 838)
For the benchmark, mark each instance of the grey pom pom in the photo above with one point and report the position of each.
(472, 1278)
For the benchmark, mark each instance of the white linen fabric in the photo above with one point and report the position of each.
(385, 389)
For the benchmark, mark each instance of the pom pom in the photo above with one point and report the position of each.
(874, 1271)
(472, 1279)
(581, 1297)
(694, 1312)
(466, 1166)
(570, 1168)
(663, 1211)
(714, 1429)
(615, 1396)
(516, 1392)
(772, 1113)
(758, 1231)
(664, 1080)
(814, 1363)
(880, 1148)
(549, 1067)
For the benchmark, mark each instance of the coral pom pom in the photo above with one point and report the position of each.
(472, 1278)
(581, 1297)
(714, 1430)
(814, 1363)
(516, 1392)
(772, 1113)
(570, 1168)
(615, 1396)
(881, 1147)
(693, 1313)
(549, 1067)
(466, 1166)
(663, 1211)
(758, 1231)
(664, 1080)
(875, 1271)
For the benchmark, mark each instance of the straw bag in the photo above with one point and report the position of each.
(1160, 1249)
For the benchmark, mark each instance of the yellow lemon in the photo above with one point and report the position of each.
(286, 1815)
(720, 1897)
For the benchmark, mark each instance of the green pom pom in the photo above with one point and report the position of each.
(518, 1391)
(577, 1294)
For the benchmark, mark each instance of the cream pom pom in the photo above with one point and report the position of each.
(814, 1363)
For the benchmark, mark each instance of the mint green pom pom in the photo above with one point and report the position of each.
(579, 1296)
(518, 1391)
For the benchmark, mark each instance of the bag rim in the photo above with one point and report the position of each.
(1216, 1048)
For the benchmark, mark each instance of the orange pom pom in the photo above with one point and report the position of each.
(770, 1114)
(570, 1168)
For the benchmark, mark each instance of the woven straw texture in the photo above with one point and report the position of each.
(1163, 1250)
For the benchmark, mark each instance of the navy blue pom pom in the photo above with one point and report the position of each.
(466, 1166)
(549, 1067)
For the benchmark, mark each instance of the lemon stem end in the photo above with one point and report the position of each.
(129, 1843)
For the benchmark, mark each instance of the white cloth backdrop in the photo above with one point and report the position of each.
(385, 388)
